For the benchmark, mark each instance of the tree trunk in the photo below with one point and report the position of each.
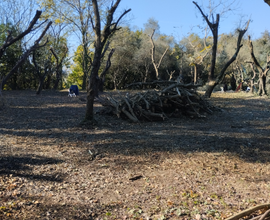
(91, 90)
(214, 50)
(101, 79)
(156, 66)
(101, 38)
(252, 79)
(85, 59)
(212, 81)
(262, 72)
(214, 29)
(195, 73)
(92, 87)
(210, 87)
(233, 82)
(48, 82)
(252, 85)
(40, 85)
(221, 75)
(115, 73)
(57, 80)
(262, 83)
(59, 67)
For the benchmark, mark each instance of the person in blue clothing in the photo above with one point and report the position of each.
(74, 90)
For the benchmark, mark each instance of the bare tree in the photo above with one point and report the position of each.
(214, 29)
(212, 81)
(41, 74)
(101, 38)
(156, 66)
(59, 65)
(170, 74)
(262, 71)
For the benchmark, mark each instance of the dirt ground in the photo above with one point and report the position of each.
(209, 168)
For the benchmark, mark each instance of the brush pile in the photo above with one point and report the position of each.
(175, 100)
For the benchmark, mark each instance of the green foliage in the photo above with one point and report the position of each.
(11, 55)
(131, 61)
(76, 75)
(25, 77)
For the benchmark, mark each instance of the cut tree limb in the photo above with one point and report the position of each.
(173, 101)
(249, 211)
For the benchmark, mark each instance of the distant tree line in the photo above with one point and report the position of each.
(188, 59)
(131, 62)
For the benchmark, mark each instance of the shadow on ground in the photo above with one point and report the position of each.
(23, 167)
(242, 127)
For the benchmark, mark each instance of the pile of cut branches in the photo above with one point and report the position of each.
(174, 100)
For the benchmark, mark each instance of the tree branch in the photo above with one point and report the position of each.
(11, 40)
(161, 58)
(255, 61)
(108, 64)
(211, 25)
(239, 45)
(26, 54)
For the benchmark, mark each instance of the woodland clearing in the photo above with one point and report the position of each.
(179, 168)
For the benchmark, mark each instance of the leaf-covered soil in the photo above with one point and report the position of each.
(209, 168)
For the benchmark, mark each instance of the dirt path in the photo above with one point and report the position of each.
(50, 168)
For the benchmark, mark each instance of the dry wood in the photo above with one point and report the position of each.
(174, 100)
(250, 211)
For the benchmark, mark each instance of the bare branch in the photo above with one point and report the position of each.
(156, 66)
(108, 64)
(26, 54)
(239, 45)
(161, 58)
(211, 25)
(11, 40)
(255, 61)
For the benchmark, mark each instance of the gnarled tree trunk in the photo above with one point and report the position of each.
(262, 72)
